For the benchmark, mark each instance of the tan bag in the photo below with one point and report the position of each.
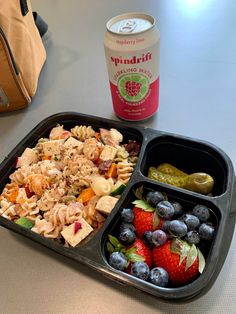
(22, 54)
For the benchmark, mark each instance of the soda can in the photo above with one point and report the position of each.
(132, 51)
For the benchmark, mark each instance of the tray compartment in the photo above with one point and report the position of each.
(68, 120)
(189, 156)
(186, 200)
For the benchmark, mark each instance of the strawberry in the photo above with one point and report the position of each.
(137, 252)
(140, 249)
(145, 218)
(182, 261)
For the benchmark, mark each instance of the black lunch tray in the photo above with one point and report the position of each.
(188, 154)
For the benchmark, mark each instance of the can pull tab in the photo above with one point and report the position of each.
(128, 26)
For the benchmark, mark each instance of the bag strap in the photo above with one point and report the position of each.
(40, 23)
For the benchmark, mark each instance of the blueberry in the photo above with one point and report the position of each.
(127, 214)
(192, 237)
(202, 212)
(191, 221)
(178, 228)
(147, 238)
(206, 231)
(126, 225)
(127, 236)
(165, 209)
(118, 260)
(159, 276)
(165, 226)
(154, 197)
(159, 237)
(178, 209)
(140, 270)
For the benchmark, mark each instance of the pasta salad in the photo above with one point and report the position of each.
(65, 186)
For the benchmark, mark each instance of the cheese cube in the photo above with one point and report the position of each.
(105, 204)
(28, 157)
(108, 153)
(53, 147)
(73, 236)
(73, 143)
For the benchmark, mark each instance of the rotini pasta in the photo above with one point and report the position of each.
(38, 183)
(7, 209)
(46, 228)
(10, 192)
(124, 171)
(91, 149)
(19, 176)
(62, 214)
(82, 132)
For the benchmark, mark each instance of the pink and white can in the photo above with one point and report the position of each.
(132, 50)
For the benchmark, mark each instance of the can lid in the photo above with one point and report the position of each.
(130, 23)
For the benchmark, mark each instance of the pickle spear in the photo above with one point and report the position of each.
(171, 170)
(154, 174)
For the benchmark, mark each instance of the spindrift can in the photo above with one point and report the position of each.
(132, 50)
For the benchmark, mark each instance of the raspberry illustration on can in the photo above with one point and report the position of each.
(132, 49)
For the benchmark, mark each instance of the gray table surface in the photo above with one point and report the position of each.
(197, 99)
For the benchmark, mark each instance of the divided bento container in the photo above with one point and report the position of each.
(157, 147)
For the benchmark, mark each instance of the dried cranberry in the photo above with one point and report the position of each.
(133, 148)
(104, 166)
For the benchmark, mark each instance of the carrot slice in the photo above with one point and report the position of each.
(13, 195)
(112, 171)
(44, 157)
(85, 195)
